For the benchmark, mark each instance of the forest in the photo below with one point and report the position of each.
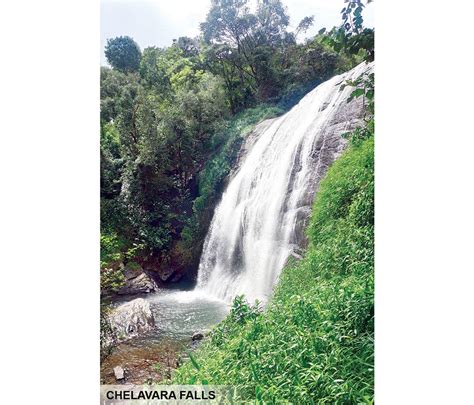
(172, 124)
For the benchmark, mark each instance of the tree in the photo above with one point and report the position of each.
(123, 54)
(248, 41)
(272, 21)
(304, 25)
(223, 61)
(153, 72)
(188, 45)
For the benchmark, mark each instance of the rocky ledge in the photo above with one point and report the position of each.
(137, 281)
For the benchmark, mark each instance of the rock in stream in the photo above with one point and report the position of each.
(131, 319)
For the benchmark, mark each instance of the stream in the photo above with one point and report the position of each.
(178, 314)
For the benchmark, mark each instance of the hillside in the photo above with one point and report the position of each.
(315, 339)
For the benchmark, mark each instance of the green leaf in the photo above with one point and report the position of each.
(194, 362)
(357, 93)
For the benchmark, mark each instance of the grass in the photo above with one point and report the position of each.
(314, 341)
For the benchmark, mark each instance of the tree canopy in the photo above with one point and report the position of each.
(123, 54)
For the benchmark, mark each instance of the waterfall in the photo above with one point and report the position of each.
(260, 219)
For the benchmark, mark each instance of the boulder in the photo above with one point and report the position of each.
(119, 373)
(197, 336)
(297, 254)
(166, 271)
(131, 319)
(136, 281)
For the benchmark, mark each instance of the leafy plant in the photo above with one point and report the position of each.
(110, 249)
(241, 312)
(352, 16)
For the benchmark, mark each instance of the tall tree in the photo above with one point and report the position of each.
(247, 40)
(123, 54)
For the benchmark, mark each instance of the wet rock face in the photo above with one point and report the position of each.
(164, 272)
(136, 281)
(131, 319)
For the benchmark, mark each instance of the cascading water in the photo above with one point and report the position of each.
(260, 219)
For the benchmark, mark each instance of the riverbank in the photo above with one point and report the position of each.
(151, 356)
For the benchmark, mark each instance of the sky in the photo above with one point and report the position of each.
(158, 22)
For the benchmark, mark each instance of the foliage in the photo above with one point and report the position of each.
(352, 16)
(248, 48)
(352, 36)
(364, 88)
(123, 54)
(152, 146)
(358, 47)
(307, 65)
(241, 312)
(110, 249)
(304, 25)
(114, 251)
(111, 276)
(314, 342)
(106, 333)
(111, 280)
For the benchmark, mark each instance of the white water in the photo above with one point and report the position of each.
(259, 221)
